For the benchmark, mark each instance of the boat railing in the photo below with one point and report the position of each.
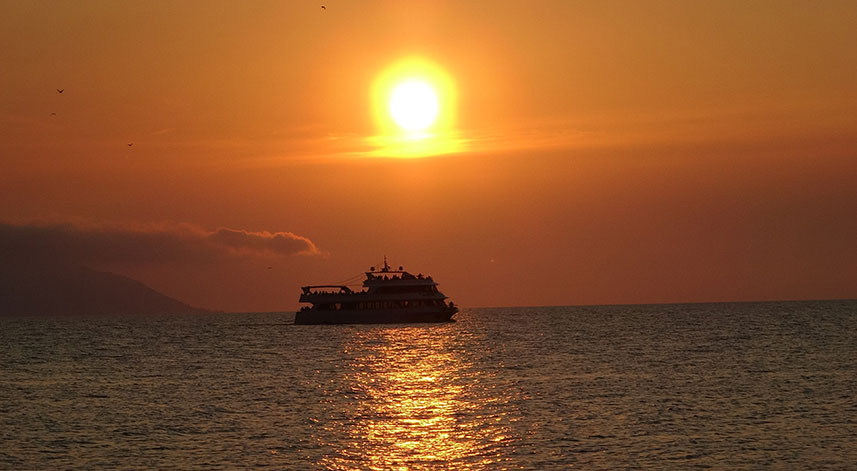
(307, 294)
(390, 275)
(320, 289)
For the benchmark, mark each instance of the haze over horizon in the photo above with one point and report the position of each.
(583, 153)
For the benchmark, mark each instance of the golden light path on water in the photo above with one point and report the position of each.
(415, 403)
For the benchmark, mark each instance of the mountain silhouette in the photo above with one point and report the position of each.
(69, 289)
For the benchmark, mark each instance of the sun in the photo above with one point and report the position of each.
(414, 102)
(414, 105)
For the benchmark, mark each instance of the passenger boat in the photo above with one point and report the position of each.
(389, 297)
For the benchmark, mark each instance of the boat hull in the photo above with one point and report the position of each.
(312, 316)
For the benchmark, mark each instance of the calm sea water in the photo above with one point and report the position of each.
(721, 386)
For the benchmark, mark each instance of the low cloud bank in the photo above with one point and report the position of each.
(124, 245)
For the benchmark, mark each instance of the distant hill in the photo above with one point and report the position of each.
(77, 290)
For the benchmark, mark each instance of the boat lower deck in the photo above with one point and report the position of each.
(387, 316)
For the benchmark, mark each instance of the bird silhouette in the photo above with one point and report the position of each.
(53, 114)
(130, 144)
(60, 90)
(323, 7)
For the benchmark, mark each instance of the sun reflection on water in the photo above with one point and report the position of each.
(414, 402)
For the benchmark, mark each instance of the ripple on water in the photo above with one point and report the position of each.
(722, 386)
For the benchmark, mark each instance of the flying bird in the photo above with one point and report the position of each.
(53, 114)
(130, 144)
(323, 7)
(60, 90)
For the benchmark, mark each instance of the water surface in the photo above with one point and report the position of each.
(713, 386)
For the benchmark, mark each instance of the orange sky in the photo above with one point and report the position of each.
(605, 152)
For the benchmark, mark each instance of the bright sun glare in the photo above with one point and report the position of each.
(413, 105)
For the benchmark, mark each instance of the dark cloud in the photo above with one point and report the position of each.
(117, 244)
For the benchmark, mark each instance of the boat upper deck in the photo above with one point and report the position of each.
(399, 277)
(384, 283)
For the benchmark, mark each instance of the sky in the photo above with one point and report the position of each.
(226, 153)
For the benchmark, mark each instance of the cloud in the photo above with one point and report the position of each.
(280, 243)
(130, 245)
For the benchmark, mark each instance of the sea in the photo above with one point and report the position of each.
(725, 386)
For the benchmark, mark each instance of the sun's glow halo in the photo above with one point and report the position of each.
(414, 105)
